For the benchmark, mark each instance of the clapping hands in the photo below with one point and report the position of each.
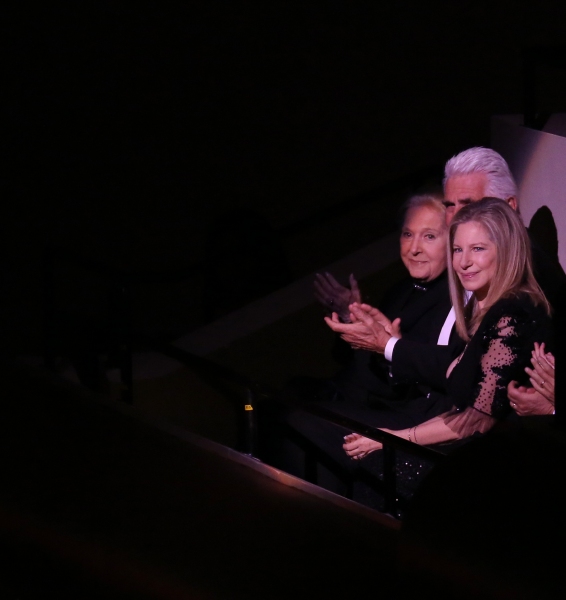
(368, 329)
(542, 376)
(539, 399)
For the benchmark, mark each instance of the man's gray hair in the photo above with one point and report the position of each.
(500, 182)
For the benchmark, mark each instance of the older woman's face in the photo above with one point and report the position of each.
(423, 243)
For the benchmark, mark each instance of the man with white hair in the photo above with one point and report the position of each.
(476, 173)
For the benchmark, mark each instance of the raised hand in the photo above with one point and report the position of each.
(334, 296)
(392, 328)
(526, 401)
(364, 332)
(539, 399)
(396, 328)
(542, 375)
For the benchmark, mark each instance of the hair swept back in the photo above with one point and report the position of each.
(500, 181)
(513, 272)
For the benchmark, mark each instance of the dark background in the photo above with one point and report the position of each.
(131, 131)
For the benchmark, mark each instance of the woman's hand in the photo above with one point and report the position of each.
(357, 446)
(365, 310)
(539, 399)
(526, 401)
(542, 375)
(364, 332)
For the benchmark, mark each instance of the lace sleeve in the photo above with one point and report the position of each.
(506, 346)
(497, 367)
(468, 421)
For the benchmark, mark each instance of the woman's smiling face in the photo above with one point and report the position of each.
(474, 258)
(423, 243)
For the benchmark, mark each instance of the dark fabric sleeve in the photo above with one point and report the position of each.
(497, 354)
(507, 345)
(504, 359)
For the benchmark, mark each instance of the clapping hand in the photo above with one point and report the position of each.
(539, 399)
(334, 296)
(369, 328)
(542, 374)
(391, 327)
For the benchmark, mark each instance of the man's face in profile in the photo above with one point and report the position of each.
(461, 190)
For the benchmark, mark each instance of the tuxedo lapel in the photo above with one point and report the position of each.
(420, 303)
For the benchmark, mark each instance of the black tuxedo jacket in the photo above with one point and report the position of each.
(422, 309)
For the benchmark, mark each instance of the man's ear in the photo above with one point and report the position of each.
(512, 201)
